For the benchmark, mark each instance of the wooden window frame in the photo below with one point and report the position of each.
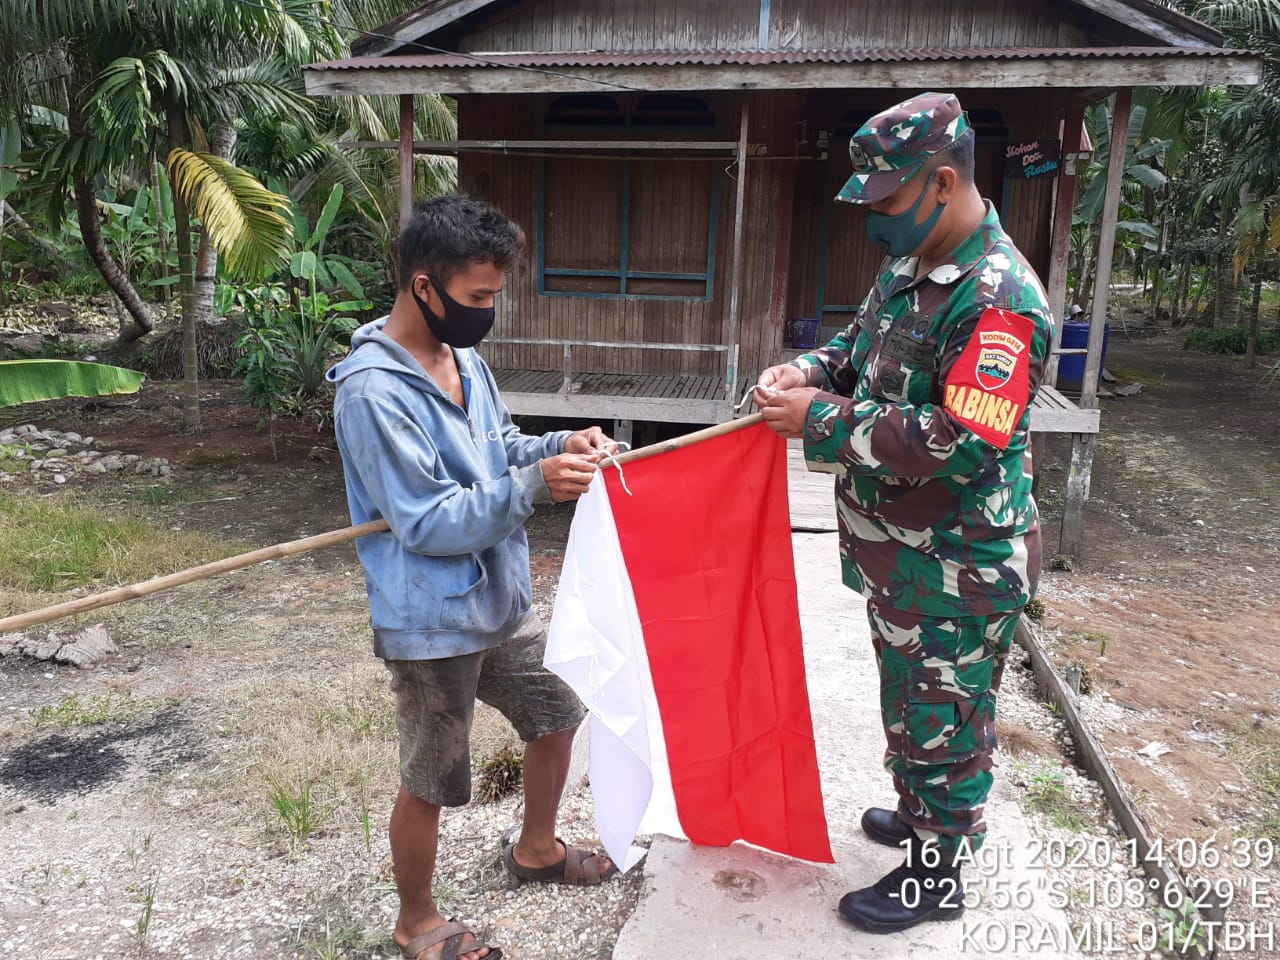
(624, 273)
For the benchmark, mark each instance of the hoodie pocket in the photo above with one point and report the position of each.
(482, 606)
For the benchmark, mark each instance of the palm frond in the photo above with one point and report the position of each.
(266, 85)
(243, 218)
(1254, 16)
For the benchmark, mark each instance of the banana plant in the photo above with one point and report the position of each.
(28, 381)
(309, 262)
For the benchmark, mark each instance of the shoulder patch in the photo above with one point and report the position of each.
(988, 388)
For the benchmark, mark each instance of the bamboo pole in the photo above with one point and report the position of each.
(279, 551)
(675, 443)
(20, 621)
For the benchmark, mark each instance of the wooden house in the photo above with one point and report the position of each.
(674, 164)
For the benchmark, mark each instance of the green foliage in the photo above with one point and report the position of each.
(1047, 794)
(130, 230)
(309, 262)
(243, 218)
(299, 814)
(46, 545)
(146, 897)
(1230, 340)
(10, 149)
(285, 352)
(76, 711)
(290, 337)
(27, 381)
(1187, 931)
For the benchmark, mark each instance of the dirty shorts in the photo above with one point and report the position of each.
(435, 701)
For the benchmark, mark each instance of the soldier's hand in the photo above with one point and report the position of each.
(786, 412)
(591, 441)
(568, 475)
(782, 377)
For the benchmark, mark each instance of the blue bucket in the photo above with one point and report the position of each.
(1071, 366)
(803, 332)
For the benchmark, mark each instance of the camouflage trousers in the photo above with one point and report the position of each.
(938, 683)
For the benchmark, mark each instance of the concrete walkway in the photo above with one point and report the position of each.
(741, 902)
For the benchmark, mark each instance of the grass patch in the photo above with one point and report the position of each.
(161, 495)
(1090, 638)
(339, 934)
(1229, 340)
(1134, 375)
(54, 545)
(1256, 747)
(1046, 791)
(212, 458)
(318, 751)
(298, 814)
(76, 711)
(499, 774)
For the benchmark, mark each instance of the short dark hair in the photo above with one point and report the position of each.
(958, 156)
(446, 233)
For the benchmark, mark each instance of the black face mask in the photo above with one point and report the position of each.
(461, 326)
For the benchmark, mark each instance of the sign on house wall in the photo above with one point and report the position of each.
(1031, 158)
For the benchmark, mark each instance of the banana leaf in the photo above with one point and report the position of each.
(26, 381)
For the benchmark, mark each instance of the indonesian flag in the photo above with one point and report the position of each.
(676, 622)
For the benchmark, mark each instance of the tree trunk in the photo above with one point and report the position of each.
(4, 281)
(1204, 282)
(1232, 302)
(1251, 348)
(223, 144)
(95, 244)
(1084, 295)
(1222, 280)
(186, 288)
(1181, 293)
(1157, 295)
(162, 225)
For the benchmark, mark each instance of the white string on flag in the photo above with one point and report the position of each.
(609, 458)
(752, 389)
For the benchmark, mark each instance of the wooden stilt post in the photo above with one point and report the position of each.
(406, 158)
(735, 282)
(1063, 213)
(1082, 444)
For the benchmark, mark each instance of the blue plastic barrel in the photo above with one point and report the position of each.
(1075, 336)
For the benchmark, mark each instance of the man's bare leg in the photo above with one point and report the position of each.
(546, 768)
(415, 836)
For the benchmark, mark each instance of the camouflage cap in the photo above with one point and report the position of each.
(888, 149)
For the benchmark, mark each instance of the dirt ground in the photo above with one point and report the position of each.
(1172, 615)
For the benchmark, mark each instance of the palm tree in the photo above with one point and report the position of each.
(147, 72)
(47, 75)
(176, 78)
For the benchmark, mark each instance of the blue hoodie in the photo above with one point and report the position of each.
(456, 487)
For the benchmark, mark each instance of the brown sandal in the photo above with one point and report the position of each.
(566, 871)
(450, 935)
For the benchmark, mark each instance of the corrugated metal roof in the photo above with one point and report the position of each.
(664, 58)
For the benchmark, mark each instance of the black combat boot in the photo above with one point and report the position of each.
(883, 826)
(909, 894)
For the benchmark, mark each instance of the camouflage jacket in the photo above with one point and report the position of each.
(924, 419)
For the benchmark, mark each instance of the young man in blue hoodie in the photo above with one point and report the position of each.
(428, 445)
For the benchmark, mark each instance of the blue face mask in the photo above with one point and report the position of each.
(901, 234)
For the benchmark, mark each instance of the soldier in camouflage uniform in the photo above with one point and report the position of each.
(921, 410)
